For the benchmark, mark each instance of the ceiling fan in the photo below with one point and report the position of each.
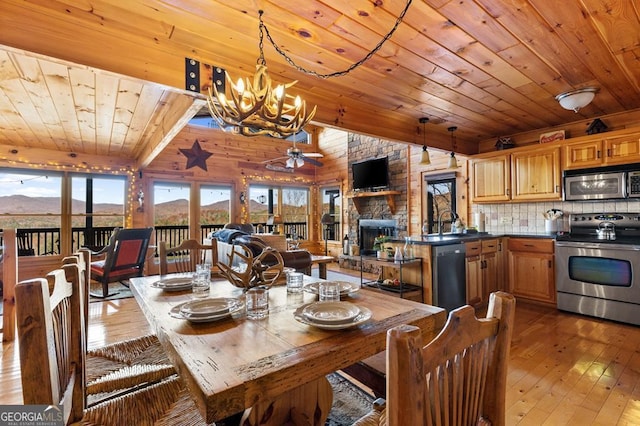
(296, 158)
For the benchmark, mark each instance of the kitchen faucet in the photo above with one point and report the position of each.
(454, 216)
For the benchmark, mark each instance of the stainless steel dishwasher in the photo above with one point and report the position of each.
(449, 276)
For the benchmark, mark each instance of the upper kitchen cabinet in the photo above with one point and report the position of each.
(490, 179)
(522, 175)
(605, 151)
(536, 175)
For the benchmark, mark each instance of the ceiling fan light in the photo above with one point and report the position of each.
(424, 159)
(290, 163)
(576, 99)
(299, 162)
(453, 163)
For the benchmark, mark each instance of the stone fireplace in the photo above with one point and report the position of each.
(369, 229)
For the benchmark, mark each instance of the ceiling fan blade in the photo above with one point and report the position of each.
(313, 154)
(278, 168)
(274, 159)
(313, 161)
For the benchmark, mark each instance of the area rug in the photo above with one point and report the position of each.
(121, 292)
(349, 401)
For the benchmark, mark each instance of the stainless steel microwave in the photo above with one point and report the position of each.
(608, 183)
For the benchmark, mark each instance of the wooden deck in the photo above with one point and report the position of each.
(564, 369)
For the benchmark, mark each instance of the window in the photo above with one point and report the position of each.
(290, 204)
(215, 208)
(97, 207)
(31, 202)
(332, 204)
(171, 212)
(441, 198)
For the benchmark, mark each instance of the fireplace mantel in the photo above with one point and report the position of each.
(389, 195)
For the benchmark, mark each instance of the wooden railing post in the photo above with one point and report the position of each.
(9, 281)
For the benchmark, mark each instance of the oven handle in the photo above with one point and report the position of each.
(599, 246)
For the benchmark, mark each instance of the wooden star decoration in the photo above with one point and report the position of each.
(196, 156)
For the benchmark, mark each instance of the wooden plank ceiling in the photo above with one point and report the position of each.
(489, 67)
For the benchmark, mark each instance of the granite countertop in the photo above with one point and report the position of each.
(436, 240)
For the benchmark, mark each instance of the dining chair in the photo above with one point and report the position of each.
(185, 256)
(459, 378)
(124, 258)
(25, 245)
(52, 362)
(119, 365)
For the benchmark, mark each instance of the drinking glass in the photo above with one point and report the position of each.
(257, 302)
(199, 286)
(294, 282)
(329, 291)
(201, 280)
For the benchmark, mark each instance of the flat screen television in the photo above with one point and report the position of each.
(371, 174)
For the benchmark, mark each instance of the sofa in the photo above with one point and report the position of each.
(227, 238)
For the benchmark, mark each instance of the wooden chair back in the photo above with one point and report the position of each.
(52, 342)
(185, 257)
(25, 246)
(459, 378)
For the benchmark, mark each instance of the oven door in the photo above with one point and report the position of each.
(598, 270)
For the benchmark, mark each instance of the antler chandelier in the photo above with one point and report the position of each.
(258, 108)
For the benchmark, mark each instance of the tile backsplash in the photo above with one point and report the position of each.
(527, 218)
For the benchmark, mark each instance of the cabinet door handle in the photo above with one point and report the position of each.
(506, 191)
(598, 154)
(557, 188)
(528, 245)
(608, 152)
(549, 264)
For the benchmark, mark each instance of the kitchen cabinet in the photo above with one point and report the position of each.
(491, 179)
(531, 269)
(602, 152)
(483, 269)
(536, 175)
(526, 175)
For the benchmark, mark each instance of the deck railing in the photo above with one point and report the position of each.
(46, 241)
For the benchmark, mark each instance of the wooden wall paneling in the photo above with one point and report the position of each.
(9, 267)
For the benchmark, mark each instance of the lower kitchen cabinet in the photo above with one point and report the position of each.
(483, 269)
(531, 269)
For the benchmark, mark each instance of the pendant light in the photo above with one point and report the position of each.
(425, 154)
(453, 163)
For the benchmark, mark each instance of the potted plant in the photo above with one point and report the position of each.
(378, 246)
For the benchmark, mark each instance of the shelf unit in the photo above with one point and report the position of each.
(391, 202)
(404, 289)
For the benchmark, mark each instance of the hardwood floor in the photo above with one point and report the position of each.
(564, 369)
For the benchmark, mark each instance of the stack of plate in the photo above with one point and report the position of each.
(345, 287)
(207, 310)
(174, 284)
(332, 315)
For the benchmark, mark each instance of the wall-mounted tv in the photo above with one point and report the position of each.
(371, 174)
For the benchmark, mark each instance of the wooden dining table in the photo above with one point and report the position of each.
(275, 367)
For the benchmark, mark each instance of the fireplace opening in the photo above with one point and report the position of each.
(369, 229)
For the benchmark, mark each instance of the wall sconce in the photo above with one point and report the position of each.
(576, 99)
(242, 197)
(140, 201)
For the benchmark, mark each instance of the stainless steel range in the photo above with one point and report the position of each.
(598, 266)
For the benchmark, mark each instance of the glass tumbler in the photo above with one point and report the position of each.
(294, 282)
(329, 291)
(257, 303)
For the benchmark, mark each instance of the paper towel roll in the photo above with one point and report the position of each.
(478, 221)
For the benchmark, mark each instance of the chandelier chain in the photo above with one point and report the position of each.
(333, 74)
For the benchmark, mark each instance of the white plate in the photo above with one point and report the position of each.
(208, 307)
(331, 312)
(345, 287)
(173, 284)
(176, 312)
(362, 317)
